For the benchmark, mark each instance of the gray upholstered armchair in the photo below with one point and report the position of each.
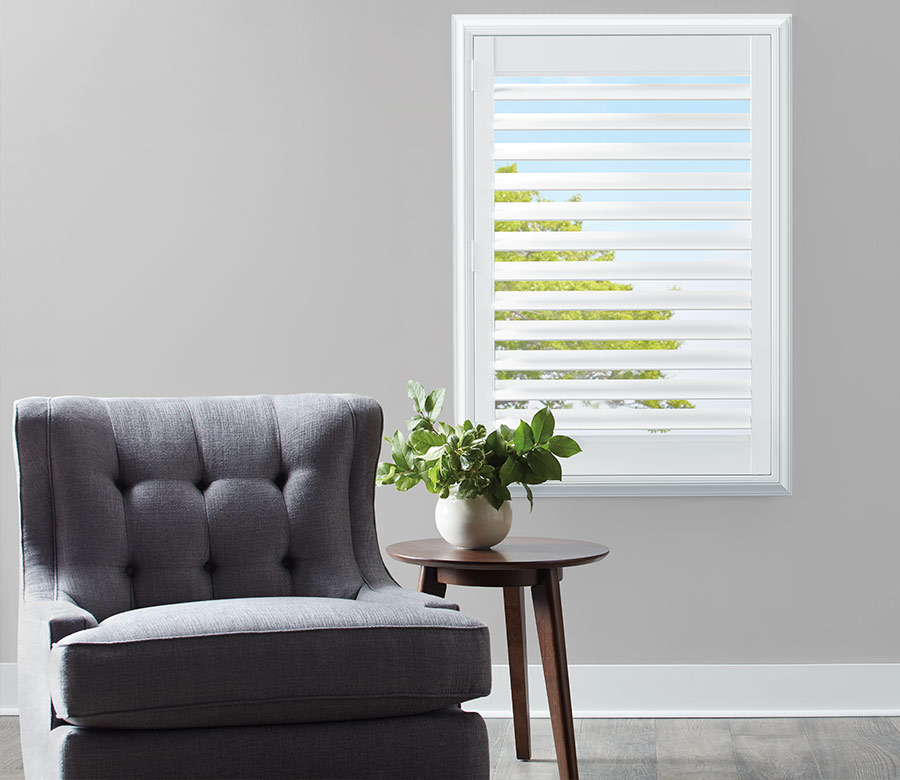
(204, 597)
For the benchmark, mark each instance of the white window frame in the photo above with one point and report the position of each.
(778, 27)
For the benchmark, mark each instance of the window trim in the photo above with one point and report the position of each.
(778, 28)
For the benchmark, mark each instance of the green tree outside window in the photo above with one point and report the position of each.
(526, 196)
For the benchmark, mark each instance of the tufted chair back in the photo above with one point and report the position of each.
(130, 502)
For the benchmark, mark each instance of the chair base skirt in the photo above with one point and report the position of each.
(447, 743)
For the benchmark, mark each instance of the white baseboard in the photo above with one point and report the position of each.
(9, 698)
(680, 691)
(710, 691)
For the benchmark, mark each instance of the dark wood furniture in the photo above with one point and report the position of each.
(514, 564)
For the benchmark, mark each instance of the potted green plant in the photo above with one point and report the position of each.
(470, 468)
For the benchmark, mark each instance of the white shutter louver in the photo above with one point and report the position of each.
(598, 290)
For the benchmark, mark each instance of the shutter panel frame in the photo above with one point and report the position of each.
(775, 29)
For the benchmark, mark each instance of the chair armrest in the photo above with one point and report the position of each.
(41, 624)
(46, 622)
(391, 593)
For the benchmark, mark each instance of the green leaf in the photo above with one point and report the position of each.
(563, 446)
(445, 428)
(544, 464)
(497, 494)
(530, 497)
(494, 500)
(542, 425)
(434, 403)
(531, 477)
(424, 474)
(494, 443)
(384, 475)
(406, 482)
(432, 454)
(466, 489)
(421, 440)
(506, 432)
(415, 391)
(510, 471)
(523, 438)
(401, 453)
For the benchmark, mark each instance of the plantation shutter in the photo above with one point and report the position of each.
(621, 254)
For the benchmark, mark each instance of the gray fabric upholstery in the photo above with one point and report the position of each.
(232, 662)
(448, 744)
(169, 500)
(128, 505)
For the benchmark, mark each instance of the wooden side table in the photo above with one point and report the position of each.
(514, 564)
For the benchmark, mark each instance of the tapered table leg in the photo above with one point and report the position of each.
(518, 669)
(428, 582)
(551, 637)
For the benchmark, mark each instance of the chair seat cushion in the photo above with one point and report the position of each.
(251, 661)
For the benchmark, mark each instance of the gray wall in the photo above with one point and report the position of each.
(242, 197)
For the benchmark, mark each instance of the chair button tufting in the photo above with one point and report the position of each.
(280, 480)
(287, 562)
(202, 485)
(129, 570)
(121, 486)
(209, 566)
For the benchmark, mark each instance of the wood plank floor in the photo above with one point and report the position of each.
(10, 749)
(673, 749)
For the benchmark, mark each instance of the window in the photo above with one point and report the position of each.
(622, 243)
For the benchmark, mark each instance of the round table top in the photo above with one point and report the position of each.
(514, 552)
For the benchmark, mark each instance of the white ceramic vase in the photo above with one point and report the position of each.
(472, 523)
